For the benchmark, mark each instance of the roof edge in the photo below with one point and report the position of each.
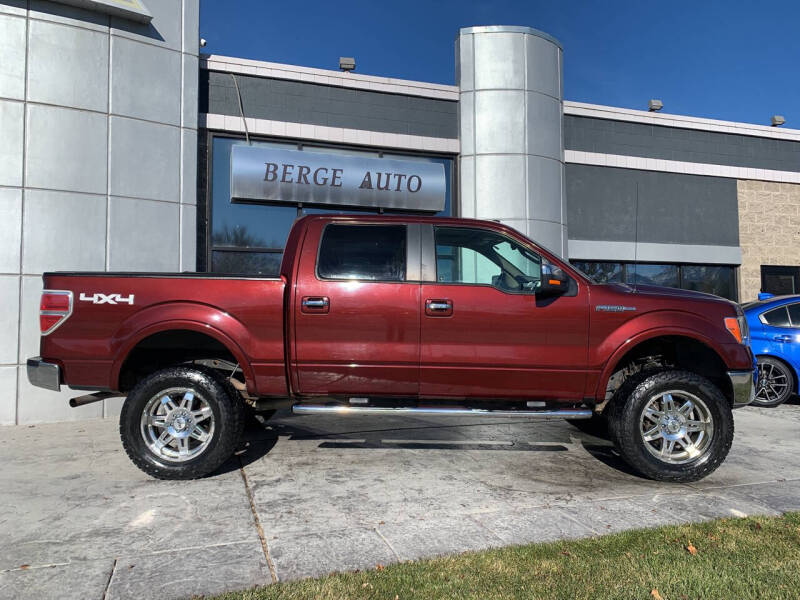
(510, 29)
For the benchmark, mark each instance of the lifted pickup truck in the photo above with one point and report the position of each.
(399, 315)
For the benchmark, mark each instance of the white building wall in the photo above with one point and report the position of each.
(98, 117)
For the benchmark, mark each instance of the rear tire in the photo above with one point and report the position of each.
(775, 382)
(181, 423)
(671, 425)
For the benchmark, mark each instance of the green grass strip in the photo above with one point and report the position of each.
(730, 559)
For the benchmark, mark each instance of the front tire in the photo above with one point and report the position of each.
(181, 423)
(775, 382)
(672, 425)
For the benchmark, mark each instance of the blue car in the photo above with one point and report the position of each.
(775, 340)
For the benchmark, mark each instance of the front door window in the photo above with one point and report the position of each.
(479, 257)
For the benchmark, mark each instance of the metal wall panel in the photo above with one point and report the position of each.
(77, 221)
(145, 81)
(143, 235)
(318, 104)
(672, 208)
(606, 136)
(63, 64)
(11, 150)
(511, 163)
(65, 149)
(58, 141)
(12, 49)
(145, 160)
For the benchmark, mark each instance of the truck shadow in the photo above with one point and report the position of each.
(371, 433)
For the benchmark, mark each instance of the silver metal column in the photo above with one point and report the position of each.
(512, 144)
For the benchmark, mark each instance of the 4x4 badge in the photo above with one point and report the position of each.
(98, 298)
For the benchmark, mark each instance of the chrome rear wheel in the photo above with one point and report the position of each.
(181, 422)
(177, 424)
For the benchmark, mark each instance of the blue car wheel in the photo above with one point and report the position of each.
(775, 382)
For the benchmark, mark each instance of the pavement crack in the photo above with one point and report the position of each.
(264, 546)
(388, 543)
(110, 577)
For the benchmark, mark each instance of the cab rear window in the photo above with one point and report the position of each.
(365, 252)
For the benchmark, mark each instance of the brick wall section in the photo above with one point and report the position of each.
(769, 230)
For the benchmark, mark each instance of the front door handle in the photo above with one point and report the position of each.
(784, 338)
(315, 304)
(438, 307)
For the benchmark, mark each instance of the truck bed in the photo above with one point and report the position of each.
(113, 312)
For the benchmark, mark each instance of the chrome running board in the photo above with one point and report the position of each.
(312, 409)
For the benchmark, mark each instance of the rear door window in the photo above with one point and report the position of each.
(777, 317)
(363, 252)
(794, 314)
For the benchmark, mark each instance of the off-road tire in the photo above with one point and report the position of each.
(227, 409)
(629, 402)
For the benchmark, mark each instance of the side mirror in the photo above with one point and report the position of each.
(554, 282)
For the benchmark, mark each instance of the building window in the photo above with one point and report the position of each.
(780, 280)
(248, 239)
(663, 275)
(719, 280)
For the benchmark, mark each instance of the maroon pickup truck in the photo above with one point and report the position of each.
(399, 315)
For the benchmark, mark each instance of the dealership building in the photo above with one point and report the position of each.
(126, 149)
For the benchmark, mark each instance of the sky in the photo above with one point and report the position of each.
(734, 60)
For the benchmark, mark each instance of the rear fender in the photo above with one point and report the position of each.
(192, 316)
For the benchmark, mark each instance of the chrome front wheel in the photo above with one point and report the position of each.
(676, 427)
(671, 425)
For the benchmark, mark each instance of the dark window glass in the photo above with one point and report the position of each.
(794, 314)
(244, 225)
(372, 252)
(600, 272)
(259, 264)
(663, 275)
(780, 280)
(709, 279)
(480, 257)
(777, 317)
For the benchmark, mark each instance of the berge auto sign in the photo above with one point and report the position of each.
(263, 174)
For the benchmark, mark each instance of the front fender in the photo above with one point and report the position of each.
(648, 326)
(192, 316)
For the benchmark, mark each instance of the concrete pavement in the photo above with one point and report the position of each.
(314, 494)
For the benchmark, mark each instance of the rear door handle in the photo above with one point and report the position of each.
(784, 338)
(438, 307)
(315, 304)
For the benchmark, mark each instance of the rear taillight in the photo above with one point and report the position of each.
(55, 307)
